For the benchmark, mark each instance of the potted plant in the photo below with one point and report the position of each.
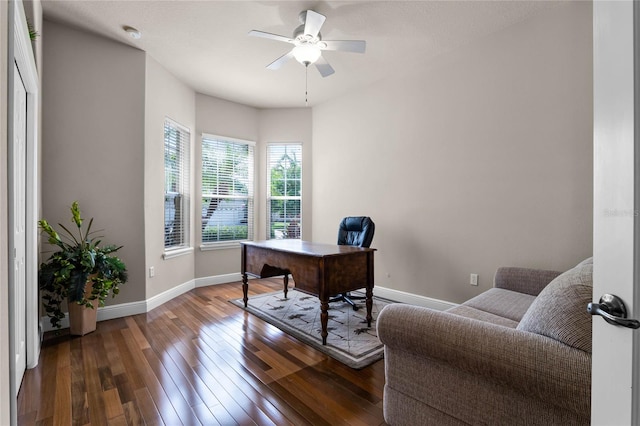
(80, 271)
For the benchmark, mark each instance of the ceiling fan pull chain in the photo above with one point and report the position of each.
(306, 85)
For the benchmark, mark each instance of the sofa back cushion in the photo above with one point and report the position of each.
(560, 310)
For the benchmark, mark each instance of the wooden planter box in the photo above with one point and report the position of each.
(82, 320)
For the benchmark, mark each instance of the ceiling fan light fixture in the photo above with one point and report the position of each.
(308, 44)
(306, 53)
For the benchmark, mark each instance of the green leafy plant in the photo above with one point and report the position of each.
(33, 34)
(80, 258)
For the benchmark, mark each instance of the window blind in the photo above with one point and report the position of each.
(227, 189)
(284, 191)
(176, 185)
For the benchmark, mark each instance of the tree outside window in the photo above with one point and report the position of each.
(284, 198)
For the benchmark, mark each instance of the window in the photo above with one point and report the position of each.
(176, 185)
(284, 191)
(227, 189)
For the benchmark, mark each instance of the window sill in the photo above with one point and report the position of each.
(220, 246)
(177, 252)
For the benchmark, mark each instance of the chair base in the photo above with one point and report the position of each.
(349, 298)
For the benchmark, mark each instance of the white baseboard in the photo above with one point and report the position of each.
(46, 323)
(165, 296)
(105, 313)
(126, 309)
(121, 310)
(412, 299)
(135, 308)
(219, 279)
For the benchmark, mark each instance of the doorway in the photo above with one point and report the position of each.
(616, 207)
(19, 209)
(22, 162)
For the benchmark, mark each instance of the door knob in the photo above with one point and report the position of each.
(612, 309)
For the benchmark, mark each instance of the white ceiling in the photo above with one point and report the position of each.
(205, 43)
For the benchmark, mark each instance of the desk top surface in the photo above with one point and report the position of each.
(307, 248)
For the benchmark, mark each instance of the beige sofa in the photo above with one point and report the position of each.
(519, 353)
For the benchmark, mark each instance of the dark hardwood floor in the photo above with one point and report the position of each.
(197, 359)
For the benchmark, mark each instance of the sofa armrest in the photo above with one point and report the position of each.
(523, 280)
(517, 360)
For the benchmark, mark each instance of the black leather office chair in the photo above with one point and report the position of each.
(354, 231)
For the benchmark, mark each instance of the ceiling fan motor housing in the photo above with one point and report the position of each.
(299, 37)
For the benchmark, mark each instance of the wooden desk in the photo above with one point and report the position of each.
(322, 269)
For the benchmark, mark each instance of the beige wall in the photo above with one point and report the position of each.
(479, 159)
(145, 93)
(278, 126)
(93, 141)
(165, 97)
(223, 118)
(4, 266)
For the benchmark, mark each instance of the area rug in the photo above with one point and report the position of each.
(349, 339)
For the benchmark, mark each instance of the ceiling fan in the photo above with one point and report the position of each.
(308, 44)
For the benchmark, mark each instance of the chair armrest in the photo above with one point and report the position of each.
(523, 280)
(524, 362)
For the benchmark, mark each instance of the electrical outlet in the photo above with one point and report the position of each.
(473, 279)
(152, 272)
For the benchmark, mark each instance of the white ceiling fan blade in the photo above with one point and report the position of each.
(355, 46)
(277, 37)
(323, 66)
(313, 22)
(275, 65)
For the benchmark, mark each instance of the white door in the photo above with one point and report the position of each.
(616, 221)
(19, 173)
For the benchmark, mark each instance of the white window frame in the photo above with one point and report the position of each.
(284, 198)
(184, 245)
(216, 245)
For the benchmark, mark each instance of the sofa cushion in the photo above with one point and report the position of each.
(469, 312)
(560, 310)
(587, 261)
(504, 303)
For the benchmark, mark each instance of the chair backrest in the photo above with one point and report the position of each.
(356, 231)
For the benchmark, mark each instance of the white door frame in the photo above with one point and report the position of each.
(616, 236)
(21, 51)
(635, 380)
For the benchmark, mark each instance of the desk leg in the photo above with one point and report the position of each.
(324, 319)
(286, 284)
(245, 289)
(369, 303)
